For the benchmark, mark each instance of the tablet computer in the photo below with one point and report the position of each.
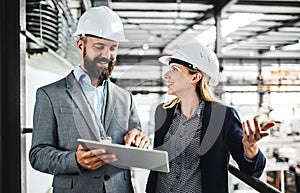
(129, 156)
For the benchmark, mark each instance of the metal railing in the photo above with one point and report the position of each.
(252, 181)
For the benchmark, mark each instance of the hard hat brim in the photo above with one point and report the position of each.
(107, 38)
(164, 59)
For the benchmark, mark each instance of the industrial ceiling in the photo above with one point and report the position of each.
(249, 34)
(249, 28)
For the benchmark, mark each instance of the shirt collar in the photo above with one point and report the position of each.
(197, 112)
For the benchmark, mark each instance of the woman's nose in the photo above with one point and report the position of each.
(166, 75)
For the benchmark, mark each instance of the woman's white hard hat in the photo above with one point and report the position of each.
(200, 57)
(101, 22)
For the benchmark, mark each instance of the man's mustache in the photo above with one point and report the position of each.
(102, 60)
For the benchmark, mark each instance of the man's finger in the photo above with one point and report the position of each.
(129, 138)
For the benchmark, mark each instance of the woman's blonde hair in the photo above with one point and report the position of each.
(202, 89)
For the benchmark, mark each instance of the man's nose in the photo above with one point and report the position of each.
(106, 53)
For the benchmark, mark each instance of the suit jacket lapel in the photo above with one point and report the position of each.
(74, 90)
(110, 106)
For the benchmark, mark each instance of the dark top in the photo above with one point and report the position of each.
(221, 136)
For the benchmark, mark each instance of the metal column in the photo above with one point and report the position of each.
(10, 162)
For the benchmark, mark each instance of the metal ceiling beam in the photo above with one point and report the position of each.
(270, 3)
(96, 3)
(134, 59)
(163, 1)
(286, 23)
(218, 6)
(85, 4)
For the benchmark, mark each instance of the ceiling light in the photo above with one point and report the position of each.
(251, 53)
(145, 46)
(293, 47)
(238, 20)
(208, 36)
(272, 48)
(197, 27)
(228, 39)
(141, 52)
(151, 38)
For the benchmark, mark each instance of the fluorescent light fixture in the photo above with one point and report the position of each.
(157, 6)
(158, 14)
(208, 36)
(293, 47)
(238, 20)
(233, 23)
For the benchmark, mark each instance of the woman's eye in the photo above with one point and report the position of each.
(173, 69)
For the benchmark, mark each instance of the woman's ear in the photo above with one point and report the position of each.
(196, 77)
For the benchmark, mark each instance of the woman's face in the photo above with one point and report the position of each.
(179, 80)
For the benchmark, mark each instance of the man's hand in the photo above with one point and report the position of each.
(251, 136)
(137, 138)
(93, 159)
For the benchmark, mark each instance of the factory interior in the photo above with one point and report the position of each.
(257, 43)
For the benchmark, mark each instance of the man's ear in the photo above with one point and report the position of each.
(80, 45)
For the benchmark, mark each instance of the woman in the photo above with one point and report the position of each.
(198, 132)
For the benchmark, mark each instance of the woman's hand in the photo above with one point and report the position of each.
(253, 135)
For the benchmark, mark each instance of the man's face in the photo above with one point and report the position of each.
(99, 57)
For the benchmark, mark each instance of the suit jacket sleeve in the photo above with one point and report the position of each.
(236, 147)
(44, 155)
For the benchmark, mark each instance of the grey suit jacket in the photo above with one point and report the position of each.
(61, 116)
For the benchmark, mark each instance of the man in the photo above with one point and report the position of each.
(86, 104)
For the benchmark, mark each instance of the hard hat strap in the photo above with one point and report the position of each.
(177, 61)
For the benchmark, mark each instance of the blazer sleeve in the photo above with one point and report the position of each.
(44, 154)
(235, 135)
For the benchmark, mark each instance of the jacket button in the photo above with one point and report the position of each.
(106, 177)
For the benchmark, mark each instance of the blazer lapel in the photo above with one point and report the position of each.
(74, 90)
(110, 105)
(163, 120)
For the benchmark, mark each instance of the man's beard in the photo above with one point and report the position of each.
(98, 72)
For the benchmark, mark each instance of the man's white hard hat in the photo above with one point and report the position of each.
(101, 22)
(197, 56)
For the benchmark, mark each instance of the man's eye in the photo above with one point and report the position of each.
(113, 49)
(99, 47)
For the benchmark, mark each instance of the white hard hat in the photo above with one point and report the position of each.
(196, 56)
(101, 22)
